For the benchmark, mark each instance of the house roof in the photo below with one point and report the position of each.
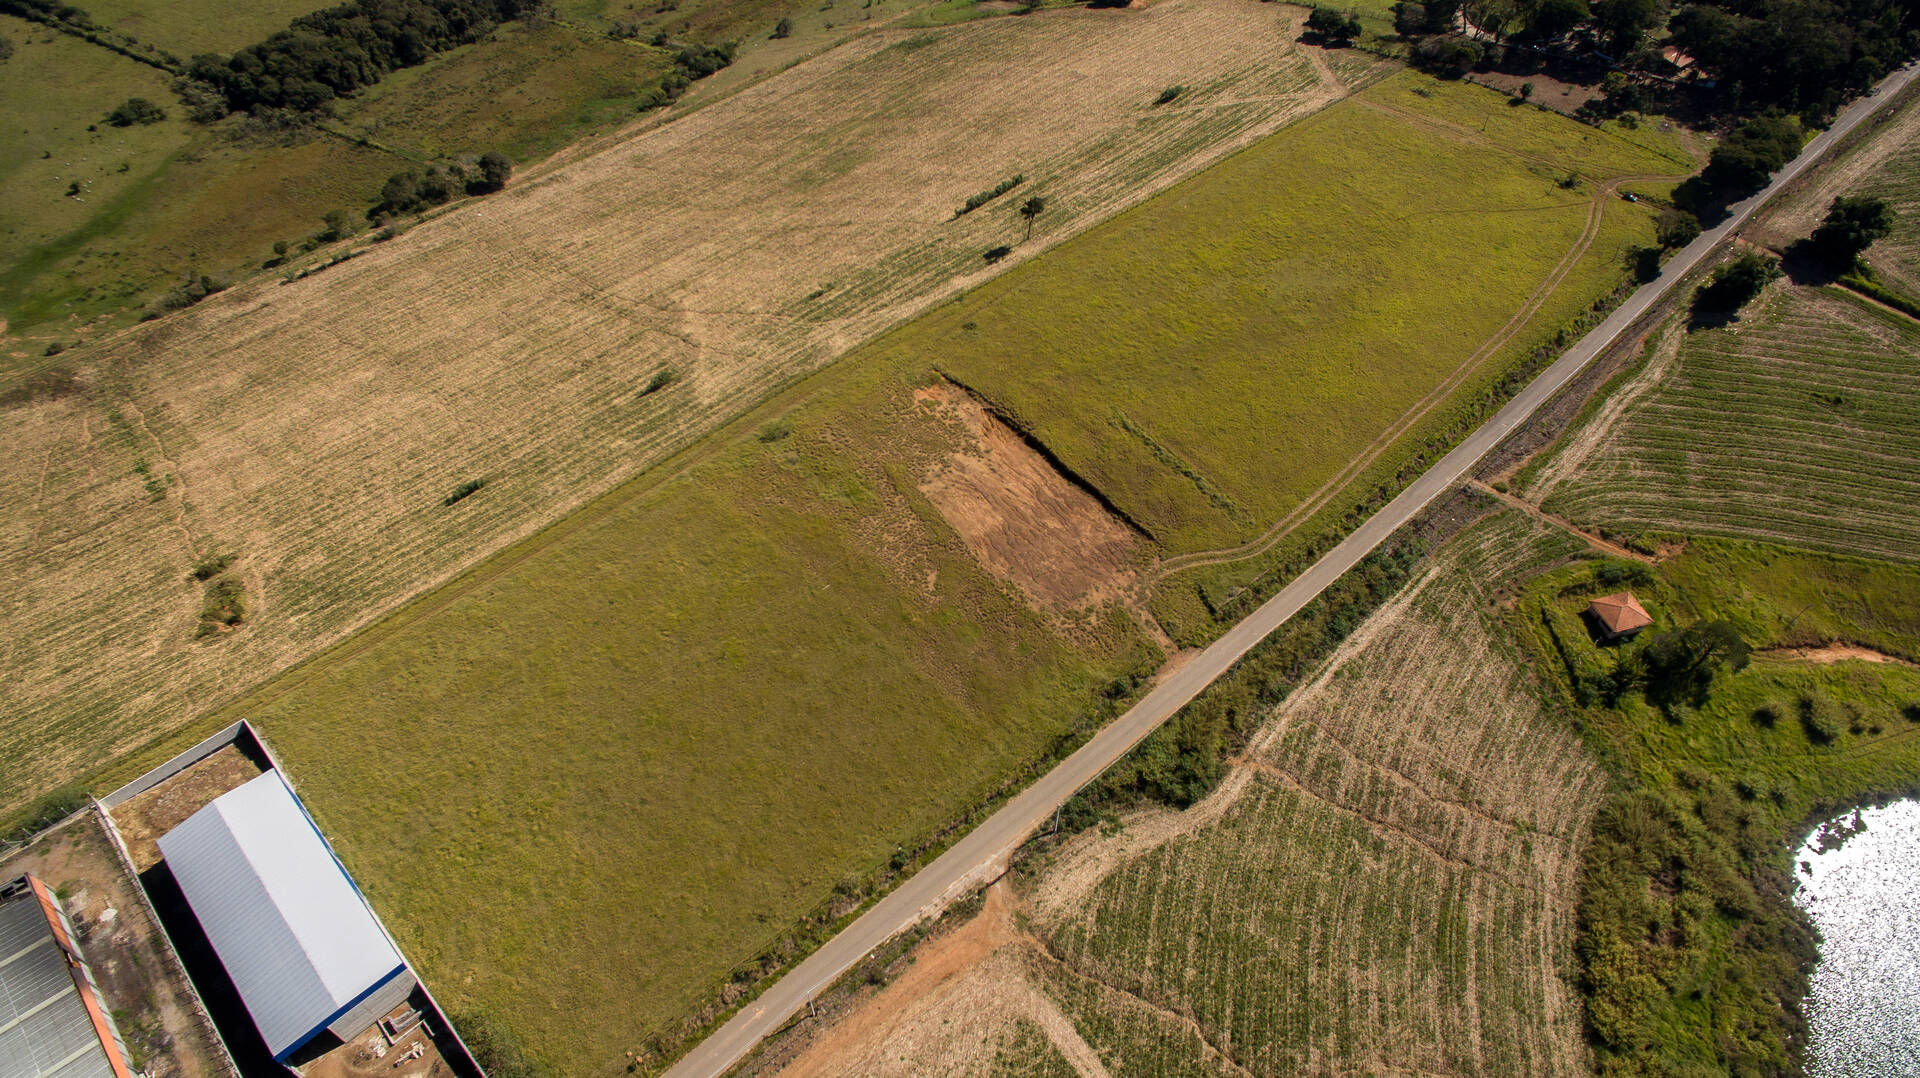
(1620, 613)
(292, 930)
(52, 1024)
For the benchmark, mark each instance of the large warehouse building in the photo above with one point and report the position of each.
(295, 935)
(52, 1023)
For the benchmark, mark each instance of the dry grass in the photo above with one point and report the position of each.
(314, 428)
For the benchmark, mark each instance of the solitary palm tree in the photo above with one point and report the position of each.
(1030, 209)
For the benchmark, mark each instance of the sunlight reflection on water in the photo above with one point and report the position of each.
(1863, 1012)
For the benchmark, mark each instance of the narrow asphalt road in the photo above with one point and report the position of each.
(977, 857)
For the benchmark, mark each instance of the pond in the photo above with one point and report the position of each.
(1863, 892)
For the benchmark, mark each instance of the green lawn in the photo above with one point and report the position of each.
(1211, 357)
(677, 721)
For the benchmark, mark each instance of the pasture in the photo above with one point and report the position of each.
(188, 27)
(1216, 363)
(1381, 877)
(1800, 423)
(160, 202)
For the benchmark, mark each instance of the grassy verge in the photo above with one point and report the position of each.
(1692, 955)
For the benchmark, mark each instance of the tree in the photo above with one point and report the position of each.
(1676, 228)
(1526, 91)
(1409, 18)
(1851, 226)
(1333, 27)
(494, 170)
(1447, 57)
(1681, 665)
(136, 110)
(783, 28)
(1735, 284)
(1030, 209)
(335, 226)
(1554, 18)
(1625, 23)
(1495, 17)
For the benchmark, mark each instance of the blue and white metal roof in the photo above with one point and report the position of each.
(292, 930)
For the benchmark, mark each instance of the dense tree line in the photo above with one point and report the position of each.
(336, 51)
(1804, 56)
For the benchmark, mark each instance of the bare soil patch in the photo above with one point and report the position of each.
(141, 983)
(1025, 522)
(143, 819)
(1834, 653)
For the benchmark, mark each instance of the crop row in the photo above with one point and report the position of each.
(1800, 423)
(1393, 881)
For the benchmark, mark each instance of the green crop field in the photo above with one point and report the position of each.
(1212, 358)
(1799, 423)
(1387, 877)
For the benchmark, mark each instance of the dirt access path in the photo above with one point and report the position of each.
(556, 339)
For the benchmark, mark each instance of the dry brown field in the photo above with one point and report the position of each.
(313, 429)
(1382, 885)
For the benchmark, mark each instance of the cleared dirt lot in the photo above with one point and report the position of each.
(313, 429)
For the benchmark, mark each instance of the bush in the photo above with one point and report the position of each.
(1446, 57)
(1821, 717)
(48, 809)
(211, 566)
(494, 172)
(1850, 227)
(1332, 26)
(661, 379)
(136, 110)
(995, 254)
(495, 1048)
(463, 490)
(1770, 713)
(783, 28)
(1735, 284)
(975, 201)
(1168, 94)
(225, 605)
(1676, 228)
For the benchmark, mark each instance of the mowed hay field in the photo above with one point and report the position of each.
(1799, 423)
(1403, 251)
(314, 429)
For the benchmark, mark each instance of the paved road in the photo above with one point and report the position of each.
(978, 856)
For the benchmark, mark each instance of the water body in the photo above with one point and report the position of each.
(1863, 1012)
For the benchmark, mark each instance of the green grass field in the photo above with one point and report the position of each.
(1214, 356)
(189, 27)
(691, 712)
(1692, 956)
(1800, 423)
(161, 201)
